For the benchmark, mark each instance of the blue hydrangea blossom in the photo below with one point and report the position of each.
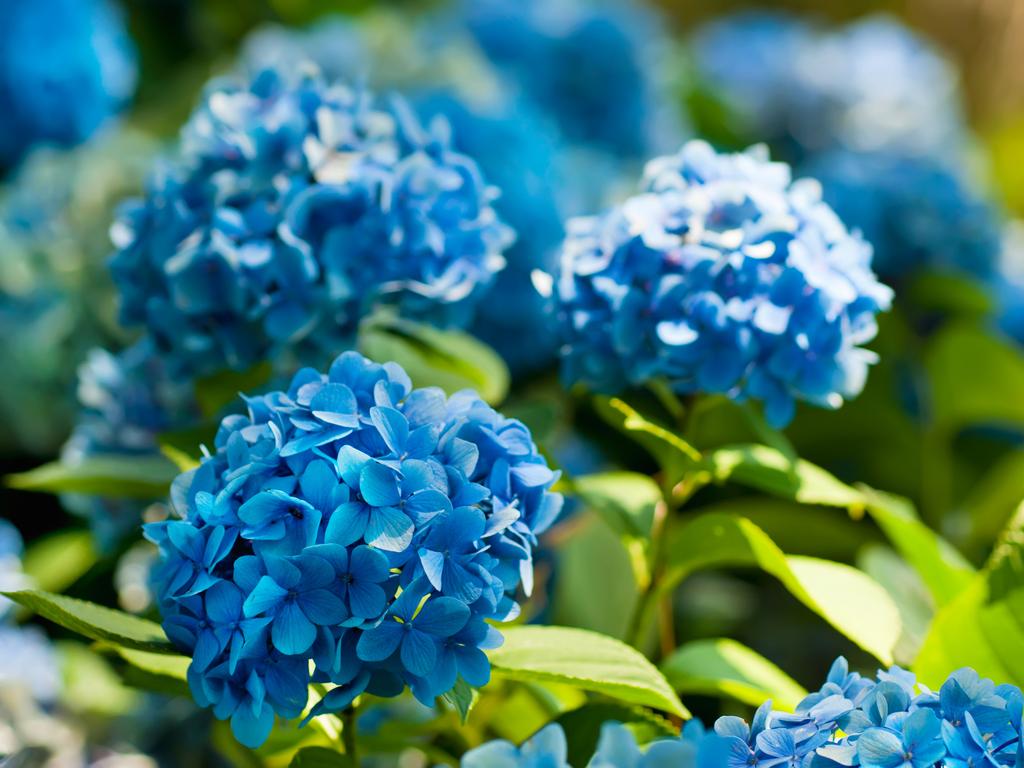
(292, 208)
(918, 213)
(357, 524)
(592, 67)
(66, 66)
(722, 275)
(872, 85)
(886, 722)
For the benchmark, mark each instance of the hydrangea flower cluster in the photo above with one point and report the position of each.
(357, 524)
(294, 207)
(871, 85)
(66, 66)
(916, 212)
(616, 748)
(56, 297)
(724, 276)
(126, 401)
(592, 67)
(888, 722)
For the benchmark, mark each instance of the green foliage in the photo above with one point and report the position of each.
(449, 359)
(215, 393)
(95, 621)
(723, 667)
(128, 476)
(320, 757)
(846, 598)
(586, 660)
(55, 562)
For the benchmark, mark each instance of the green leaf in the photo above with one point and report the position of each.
(181, 459)
(95, 621)
(55, 562)
(673, 453)
(127, 476)
(160, 672)
(461, 698)
(950, 293)
(772, 471)
(89, 684)
(626, 501)
(992, 500)
(449, 359)
(214, 393)
(942, 568)
(722, 667)
(976, 378)
(582, 727)
(972, 632)
(1005, 567)
(907, 590)
(587, 660)
(320, 757)
(846, 598)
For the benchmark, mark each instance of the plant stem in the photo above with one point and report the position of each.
(348, 735)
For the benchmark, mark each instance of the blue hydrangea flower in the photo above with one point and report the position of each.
(592, 67)
(56, 297)
(66, 66)
(126, 401)
(357, 524)
(886, 722)
(871, 85)
(724, 276)
(292, 208)
(918, 213)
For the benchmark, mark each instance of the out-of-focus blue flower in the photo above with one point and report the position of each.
(294, 207)
(126, 401)
(517, 151)
(56, 297)
(918, 214)
(66, 66)
(547, 749)
(871, 85)
(11, 577)
(721, 276)
(592, 67)
(1008, 282)
(356, 523)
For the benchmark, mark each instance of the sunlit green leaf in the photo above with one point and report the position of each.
(587, 660)
(55, 562)
(95, 621)
(128, 476)
(722, 667)
(846, 598)
(461, 698)
(449, 359)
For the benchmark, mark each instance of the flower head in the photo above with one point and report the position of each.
(66, 66)
(919, 214)
(292, 208)
(721, 276)
(355, 523)
(868, 86)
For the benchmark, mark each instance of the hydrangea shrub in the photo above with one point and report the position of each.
(356, 523)
(291, 209)
(721, 275)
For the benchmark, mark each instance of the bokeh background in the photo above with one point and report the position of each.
(910, 113)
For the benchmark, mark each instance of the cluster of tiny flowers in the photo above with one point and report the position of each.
(916, 211)
(56, 297)
(888, 722)
(721, 276)
(357, 524)
(871, 85)
(66, 66)
(592, 68)
(126, 401)
(616, 748)
(293, 208)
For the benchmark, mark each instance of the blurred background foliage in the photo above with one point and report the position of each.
(941, 420)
